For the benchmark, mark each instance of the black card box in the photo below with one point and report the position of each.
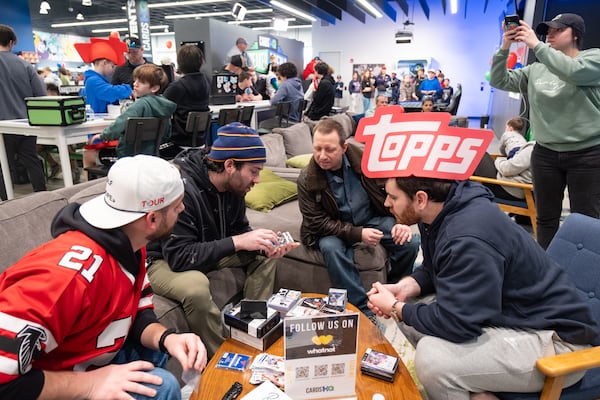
(261, 344)
(254, 327)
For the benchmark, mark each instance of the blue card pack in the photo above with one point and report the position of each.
(234, 361)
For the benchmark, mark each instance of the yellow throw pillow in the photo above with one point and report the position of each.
(300, 161)
(270, 192)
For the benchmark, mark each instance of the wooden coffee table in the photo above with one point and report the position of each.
(215, 381)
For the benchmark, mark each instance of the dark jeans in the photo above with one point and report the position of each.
(578, 171)
(25, 148)
(133, 351)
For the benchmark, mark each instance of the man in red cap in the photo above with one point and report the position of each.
(105, 54)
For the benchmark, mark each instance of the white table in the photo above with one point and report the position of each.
(261, 105)
(59, 136)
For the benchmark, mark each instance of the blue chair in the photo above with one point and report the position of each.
(576, 248)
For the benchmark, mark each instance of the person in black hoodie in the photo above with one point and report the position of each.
(213, 231)
(190, 93)
(77, 319)
(324, 96)
(496, 301)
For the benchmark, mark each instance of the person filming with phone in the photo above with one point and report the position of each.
(563, 88)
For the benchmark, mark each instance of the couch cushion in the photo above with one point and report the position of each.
(275, 150)
(296, 138)
(285, 218)
(299, 161)
(25, 224)
(270, 192)
(366, 258)
(347, 122)
(89, 192)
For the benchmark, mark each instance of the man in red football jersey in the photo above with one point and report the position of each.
(76, 314)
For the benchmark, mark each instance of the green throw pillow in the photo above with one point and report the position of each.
(271, 191)
(300, 161)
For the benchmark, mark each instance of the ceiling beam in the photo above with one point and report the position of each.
(326, 7)
(403, 6)
(349, 7)
(356, 12)
(425, 7)
(387, 9)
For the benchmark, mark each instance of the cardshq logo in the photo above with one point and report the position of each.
(401, 144)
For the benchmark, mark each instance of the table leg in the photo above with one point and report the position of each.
(65, 162)
(10, 194)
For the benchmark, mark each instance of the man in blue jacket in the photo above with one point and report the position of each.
(496, 302)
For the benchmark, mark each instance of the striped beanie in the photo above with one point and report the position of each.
(237, 142)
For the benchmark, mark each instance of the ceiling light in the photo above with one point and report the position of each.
(280, 24)
(368, 7)
(79, 17)
(185, 3)
(216, 14)
(86, 3)
(293, 10)
(270, 28)
(453, 6)
(124, 28)
(87, 23)
(161, 34)
(43, 11)
(44, 5)
(104, 30)
(256, 21)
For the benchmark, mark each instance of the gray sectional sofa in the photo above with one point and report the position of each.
(25, 224)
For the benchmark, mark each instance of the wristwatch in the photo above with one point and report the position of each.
(394, 314)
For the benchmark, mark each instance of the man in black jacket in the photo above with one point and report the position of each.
(342, 208)
(324, 96)
(213, 231)
(135, 58)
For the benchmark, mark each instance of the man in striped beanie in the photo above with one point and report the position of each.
(213, 231)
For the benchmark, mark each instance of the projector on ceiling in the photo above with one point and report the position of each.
(403, 37)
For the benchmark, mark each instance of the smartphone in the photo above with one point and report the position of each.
(511, 22)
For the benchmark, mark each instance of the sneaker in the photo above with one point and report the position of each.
(54, 171)
(375, 320)
(76, 175)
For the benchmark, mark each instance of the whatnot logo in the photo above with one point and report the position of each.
(31, 339)
(401, 144)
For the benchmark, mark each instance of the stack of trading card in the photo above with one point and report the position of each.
(284, 300)
(336, 301)
(379, 365)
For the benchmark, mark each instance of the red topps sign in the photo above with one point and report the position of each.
(421, 144)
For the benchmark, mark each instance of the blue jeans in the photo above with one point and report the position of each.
(169, 390)
(579, 171)
(366, 103)
(339, 258)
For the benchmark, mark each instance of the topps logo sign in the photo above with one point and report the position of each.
(419, 144)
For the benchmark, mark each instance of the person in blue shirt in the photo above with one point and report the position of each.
(105, 54)
(431, 86)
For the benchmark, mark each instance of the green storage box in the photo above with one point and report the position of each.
(55, 110)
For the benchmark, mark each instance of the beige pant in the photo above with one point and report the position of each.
(499, 360)
(191, 290)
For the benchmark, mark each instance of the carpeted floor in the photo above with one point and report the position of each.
(404, 349)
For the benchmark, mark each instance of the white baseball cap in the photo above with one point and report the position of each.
(135, 186)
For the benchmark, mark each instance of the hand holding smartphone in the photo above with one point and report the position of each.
(511, 22)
